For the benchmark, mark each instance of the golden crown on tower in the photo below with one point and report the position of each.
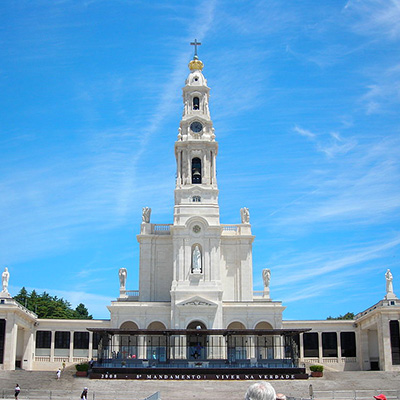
(196, 64)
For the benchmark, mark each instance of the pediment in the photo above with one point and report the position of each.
(196, 301)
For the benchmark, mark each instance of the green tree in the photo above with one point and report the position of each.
(348, 315)
(47, 306)
(81, 312)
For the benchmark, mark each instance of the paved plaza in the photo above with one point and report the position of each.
(43, 385)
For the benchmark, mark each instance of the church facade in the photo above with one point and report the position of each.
(195, 301)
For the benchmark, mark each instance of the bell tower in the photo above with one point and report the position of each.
(196, 231)
(196, 189)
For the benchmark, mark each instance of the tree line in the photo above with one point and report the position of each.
(47, 306)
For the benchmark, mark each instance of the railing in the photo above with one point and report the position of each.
(362, 394)
(132, 293)
(160, 229)
(27, 394)
(42, 358)
(230, 228)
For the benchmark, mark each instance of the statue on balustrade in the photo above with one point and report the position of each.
(245, 215)
(146, 211)
(5, 276)
(123, 273)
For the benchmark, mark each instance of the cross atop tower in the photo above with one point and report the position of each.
(195, 44)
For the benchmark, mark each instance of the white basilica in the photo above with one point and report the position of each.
(195, 301)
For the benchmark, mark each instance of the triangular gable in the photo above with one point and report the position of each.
(196, 301)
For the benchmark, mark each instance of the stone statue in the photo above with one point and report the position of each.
(389, 286)
(389, 282)
(266, 274)
(5, 277)
(245, 215)
(146, 211)
(196, 260)
(123, 273)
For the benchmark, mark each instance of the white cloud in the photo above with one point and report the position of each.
(375, 17)
(383, 94)
(331, 145)
(304, 132)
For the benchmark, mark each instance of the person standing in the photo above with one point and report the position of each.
(84, 393)
(59, 373)
(17, 390)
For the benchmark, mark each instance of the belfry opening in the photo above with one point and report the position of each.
(196, 170)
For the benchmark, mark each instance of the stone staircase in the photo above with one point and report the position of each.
(43, 385)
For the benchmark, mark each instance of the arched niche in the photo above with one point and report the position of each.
(156, 326)
(236, 325)
(196, 325)
(263, 325)
(129, 326)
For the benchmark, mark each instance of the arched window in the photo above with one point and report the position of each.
(196, 103)
(196, 199)
(196, 170)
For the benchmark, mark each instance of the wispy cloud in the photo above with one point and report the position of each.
(331, 145)
(327, 263)
(361, 186)
(383, 94)
(375, 17)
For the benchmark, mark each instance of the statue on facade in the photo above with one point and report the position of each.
(245, 215)
(196, 260)
(5, 277)
(146, 211)
(123, 273)
(266, 275)
(389, 286)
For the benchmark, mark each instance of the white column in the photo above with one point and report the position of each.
(90, 345)
(71, 347)
(214, 169)
(52, 345)
(320, 351)
(339, 347)
(179, 167)
(301, 349)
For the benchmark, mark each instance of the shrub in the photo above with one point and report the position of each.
(316, 368)
(82, 367)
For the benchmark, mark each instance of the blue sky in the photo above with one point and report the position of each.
(305, 100)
